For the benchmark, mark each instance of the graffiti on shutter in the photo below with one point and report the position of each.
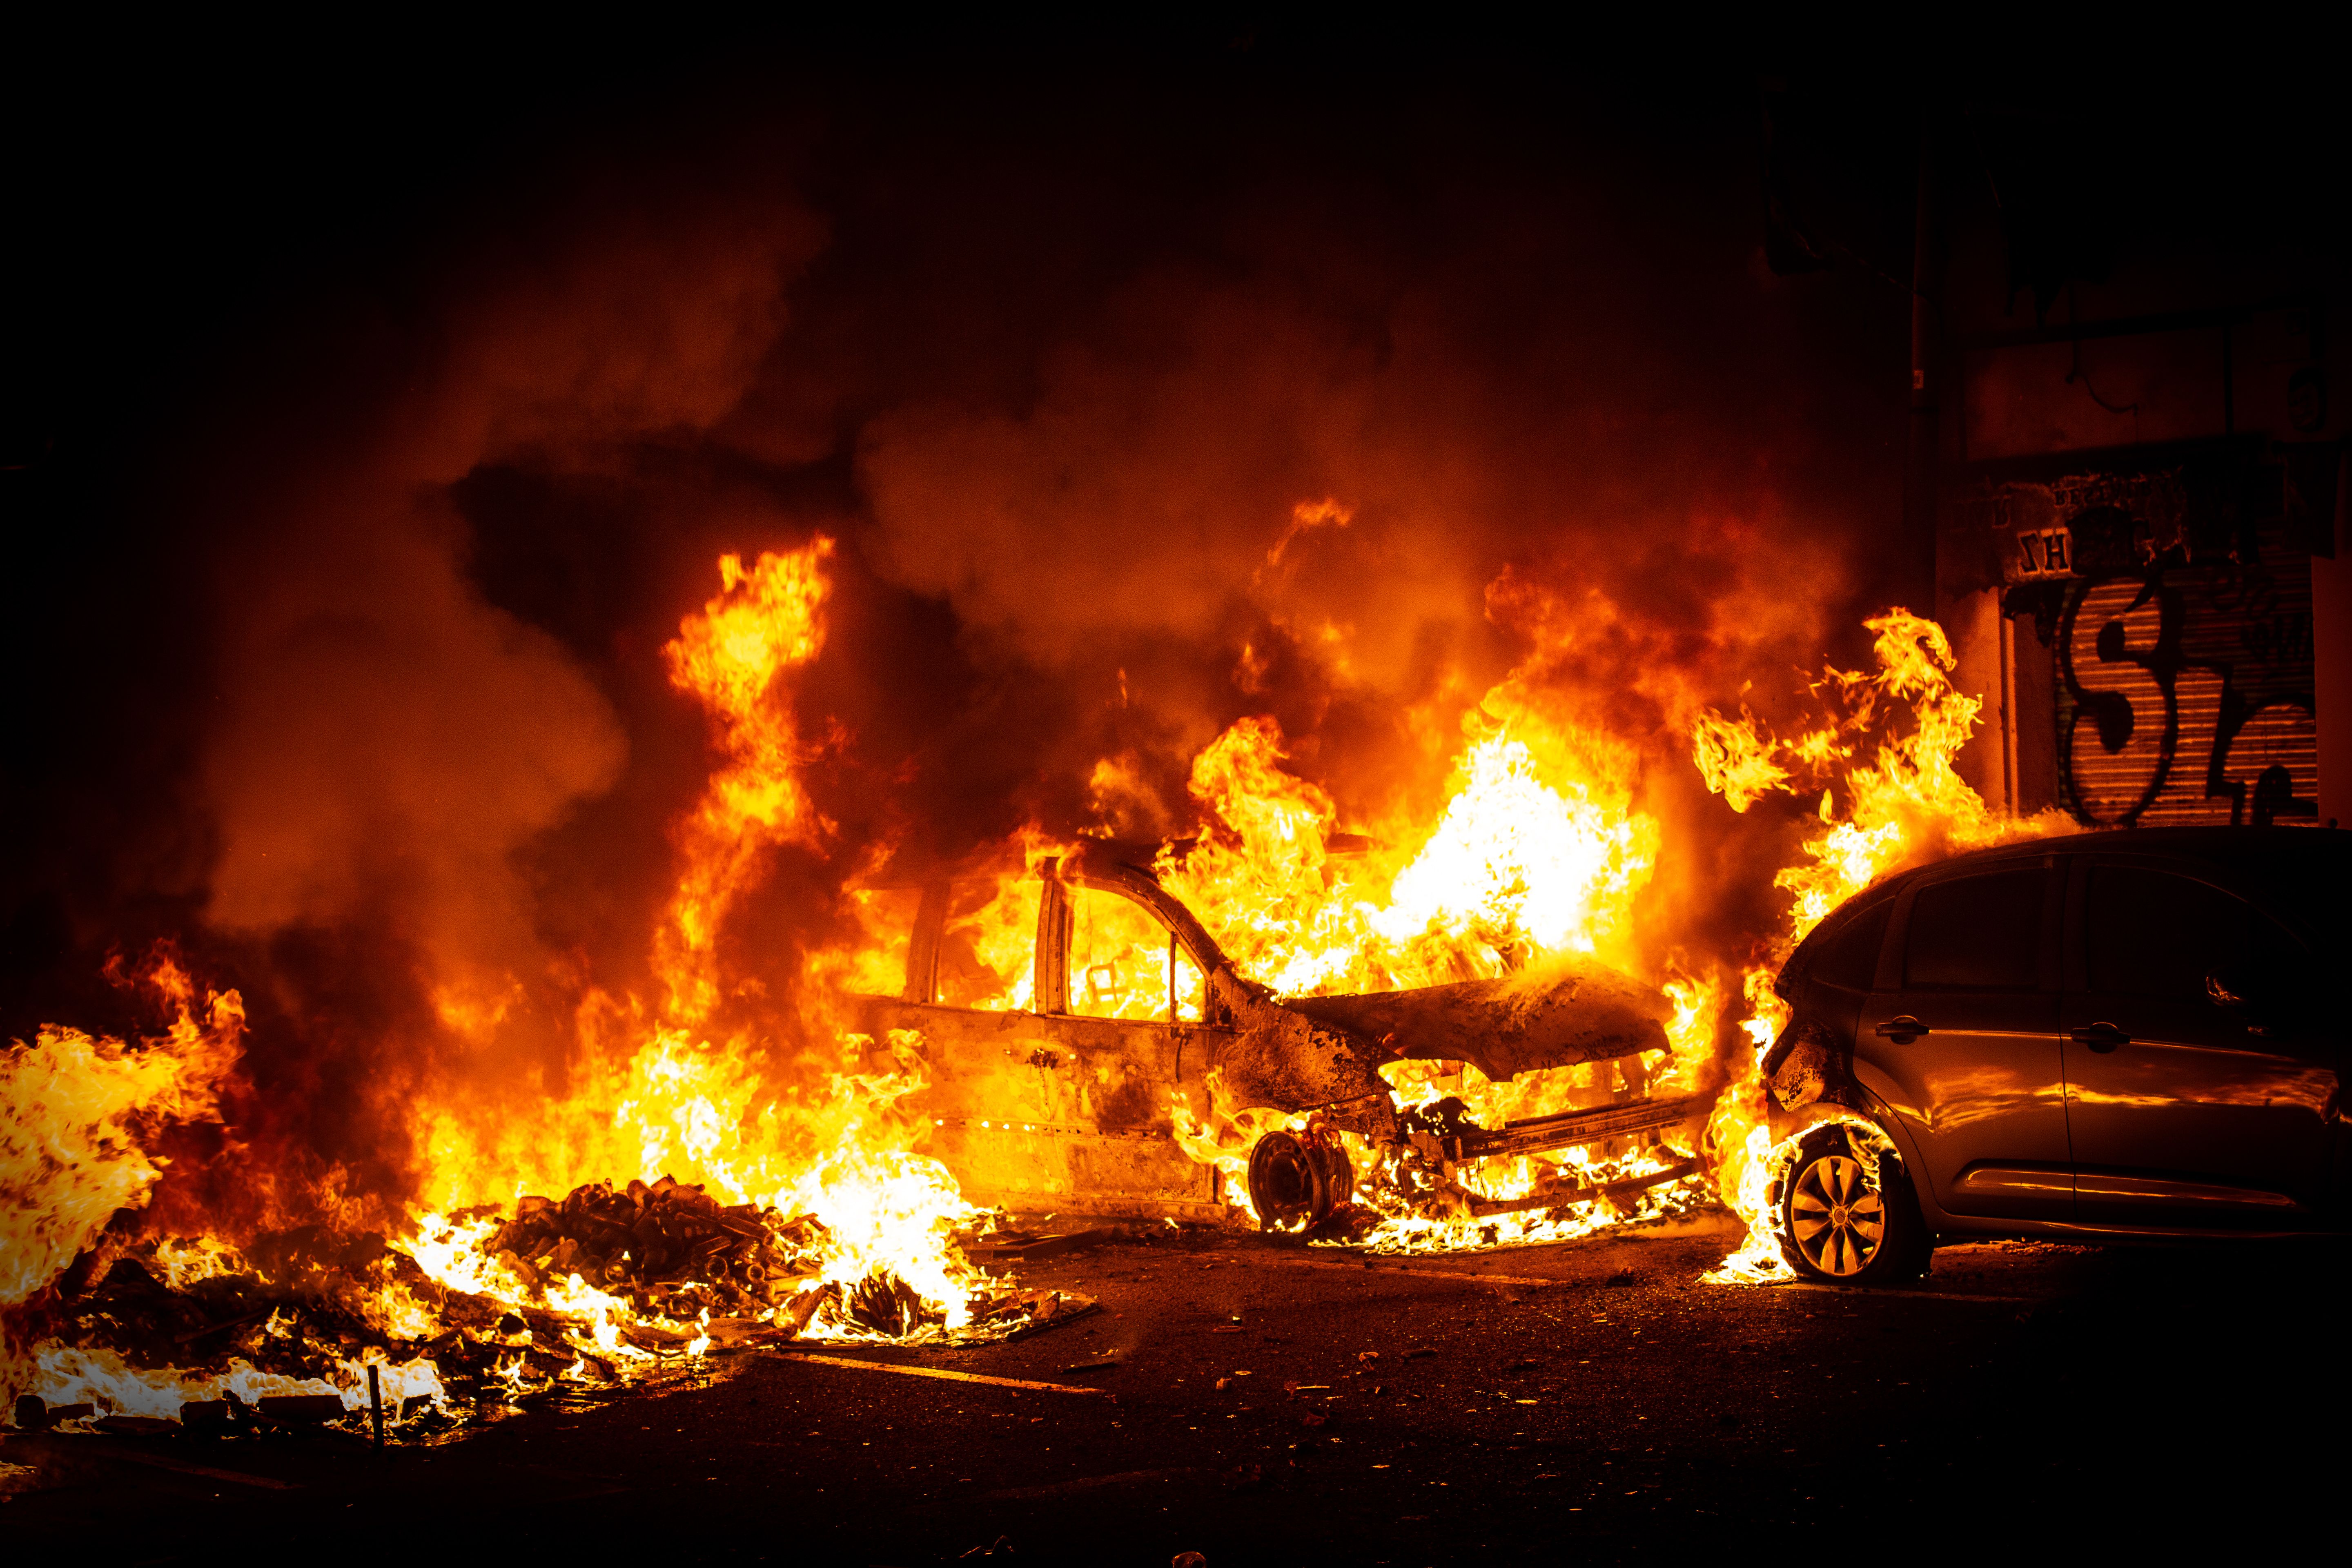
(2185, 693)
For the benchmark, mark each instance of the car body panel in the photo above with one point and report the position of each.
(2183, 1110)
(1568, 1011)
(1034, 1111)
(1982, 1087)
(1982, 1095)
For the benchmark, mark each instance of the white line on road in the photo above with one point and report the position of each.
(235, 1477)
(1887, 1290)
(936, 1371)
(1411, 1273)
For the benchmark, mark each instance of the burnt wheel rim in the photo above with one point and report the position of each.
(1296, 1181)
(1836, 1220)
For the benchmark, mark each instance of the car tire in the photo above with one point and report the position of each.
(1833, 1229)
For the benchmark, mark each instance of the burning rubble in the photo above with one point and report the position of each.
(605, 1287)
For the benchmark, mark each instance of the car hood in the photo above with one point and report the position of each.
(1558, 1013)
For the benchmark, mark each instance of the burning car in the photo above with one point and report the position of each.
(2102, 1036)
(1074, 1013)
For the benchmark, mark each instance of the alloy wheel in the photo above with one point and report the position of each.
(1836, 1220)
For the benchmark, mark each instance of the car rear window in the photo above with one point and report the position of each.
(2296, 872)
(885, 924)
(2151, 934)
(1975, 933)
(988, 945)
(1124, 963)
(1851, 957)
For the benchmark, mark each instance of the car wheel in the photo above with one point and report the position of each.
(1833, 1228)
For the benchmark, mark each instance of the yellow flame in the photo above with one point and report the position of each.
(1907, 805)
(75, 1109)
(764, 622)
(1516, 865)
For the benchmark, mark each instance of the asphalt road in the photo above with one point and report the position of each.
(1591, 1401)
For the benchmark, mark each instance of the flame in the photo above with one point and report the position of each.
(656, 1093)
(1306, 516)
(732, 1078)
(75, 1111)
(1905, 806)
(731, 657)
(1521, 861)
(1517, 859)
(652, 1090)
(1536, 850)
(1736, 759)
(69, 1374)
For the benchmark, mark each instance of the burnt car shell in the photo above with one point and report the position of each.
(1047, 1107)
(2161, 1057)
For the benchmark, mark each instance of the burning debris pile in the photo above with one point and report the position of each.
(199, 1335)
(308, 1326)
(746, 1272)
(672, 1249)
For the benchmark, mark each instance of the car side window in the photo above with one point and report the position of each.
(1851, 959)
(885, 926)
(1975, 933)
(1124, 963)
(2152, 934)
(988, 945)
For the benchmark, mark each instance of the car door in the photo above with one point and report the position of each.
(1959, 1036)
(2187, 1104)
(1059, 1029)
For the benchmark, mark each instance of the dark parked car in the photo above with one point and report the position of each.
(2128, 1034)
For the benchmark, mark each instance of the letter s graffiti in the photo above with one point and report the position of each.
(2117, 747)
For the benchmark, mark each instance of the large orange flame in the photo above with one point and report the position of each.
(814, 1136)
(656, 1093)
(1528, 857)
(75, 1111)
(731, 656)
(1907, 805)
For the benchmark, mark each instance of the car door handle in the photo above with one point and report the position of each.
(1902, 1030)
(2100, 1037)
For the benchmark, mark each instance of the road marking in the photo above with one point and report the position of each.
(1887, 1290)
(1413, 1273)
(936, 1371)
(238, 1477)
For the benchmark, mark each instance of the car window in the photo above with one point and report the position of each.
(1851, 959)
(988, 945)
(2152, 934)
(1977, 934)
(885, 926)
(1124, 963)
(2299, 875)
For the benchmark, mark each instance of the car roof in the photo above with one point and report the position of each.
(2294, 871)
(2242, 848)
